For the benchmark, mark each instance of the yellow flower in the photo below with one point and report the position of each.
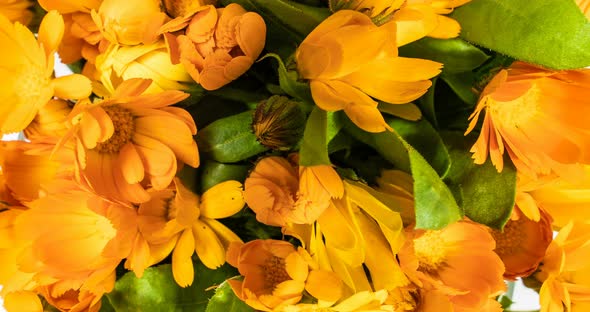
(179, 219)
(565, 272)
(218, 45)
(26, 69)
(444, 27)
(436, 258)
(150, 61)
(522, 243)
(275, 275)
(584, 6)
(17, 10)
(279, 195)
(348, 60)
(518, 104)
(129, 22)
(132, 140)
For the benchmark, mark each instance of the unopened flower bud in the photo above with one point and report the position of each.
(176, 8)
(278, 123)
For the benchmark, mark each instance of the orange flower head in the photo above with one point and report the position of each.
(275, 275)
(26, 69)
(130, 22)
(522, 243)
(219, 45)
(124, 143)
(518, 103)
(66, 299)
(359, 61)
(17, 11)
(279, 195)
(435, 259)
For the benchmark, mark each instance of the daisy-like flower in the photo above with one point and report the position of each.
(17, 10)
(132, 140)
(181, 220)
(276, 273)
(518, 104)
(280, 195)
(348, 60)
(26, 71)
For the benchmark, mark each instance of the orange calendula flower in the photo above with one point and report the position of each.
(518, 103)
(348, 60)
(565, 271)
(132, 140)
(522, 243)
(181, 220)
(437, 258)
(279, 195)
(218, 45)
(26, 69)
(276, 274)
(17, 10)
(66, 299)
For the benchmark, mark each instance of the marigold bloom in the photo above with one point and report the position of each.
(124, 143)
(26, 69)
(179, 219)
(518, 104)
(462, 249)
(565, 271)
(279, 195)
(522, 243)
(358, 60)
(17, 10)
(219, 45)
(61, 296)
(275, 275)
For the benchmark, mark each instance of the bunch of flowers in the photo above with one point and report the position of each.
(294, 155)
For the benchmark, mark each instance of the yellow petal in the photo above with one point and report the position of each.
(296, 267)
(407, 111)
(413, 23)
(74, 86)
(324, 285)
(225, 235)
(182, 265)
(222, 200)
(208, 247)
(367, 118)
(22, 301)
(51, 32)
(131, 165)
(251, 34)
(447, 28)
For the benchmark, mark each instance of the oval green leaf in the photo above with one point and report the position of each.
(225, 300)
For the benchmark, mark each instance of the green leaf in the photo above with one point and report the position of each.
(105, 305)
(552, 33)
(213, 173)
(462, 84)
(230, 139)
(426, 104)
(289, 81)
(157, 291)
(314, 146)
(456, 54)
(487, 196)
(434, 203)
(225, 300)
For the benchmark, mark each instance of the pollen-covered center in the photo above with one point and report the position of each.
(511, 239)
(124, 125)
(406, 298)
(32, 84)
(518, 112)
(274, 272)
(430, 251)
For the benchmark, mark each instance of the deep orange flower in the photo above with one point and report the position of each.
(124, 143)
(279, 195)
(518, 103)
(522, 243)
(275, 275)
(17, 10)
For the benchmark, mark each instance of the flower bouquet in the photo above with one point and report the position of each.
(294, 155)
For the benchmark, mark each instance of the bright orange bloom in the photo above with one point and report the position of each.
(565, 271)
(451, 261)
(522, 243)
(17, 10)
(124, 143)
(275, 275)
(584, 6)
(279, 195)
(219, 45)
(348, 60)
(26, 71)
(518, 104)
(62, 297)
(181, 220)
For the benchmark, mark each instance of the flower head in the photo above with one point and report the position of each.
(26, 69)
(518, 104)
(348, 60)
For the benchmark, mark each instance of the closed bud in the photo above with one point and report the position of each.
(278, 123)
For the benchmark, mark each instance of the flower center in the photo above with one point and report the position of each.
(511, 239)
(274, 272)
(124, 124)
(405, 298)
(430, 251)
(32, 85)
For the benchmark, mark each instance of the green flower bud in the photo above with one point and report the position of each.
(278, 123)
